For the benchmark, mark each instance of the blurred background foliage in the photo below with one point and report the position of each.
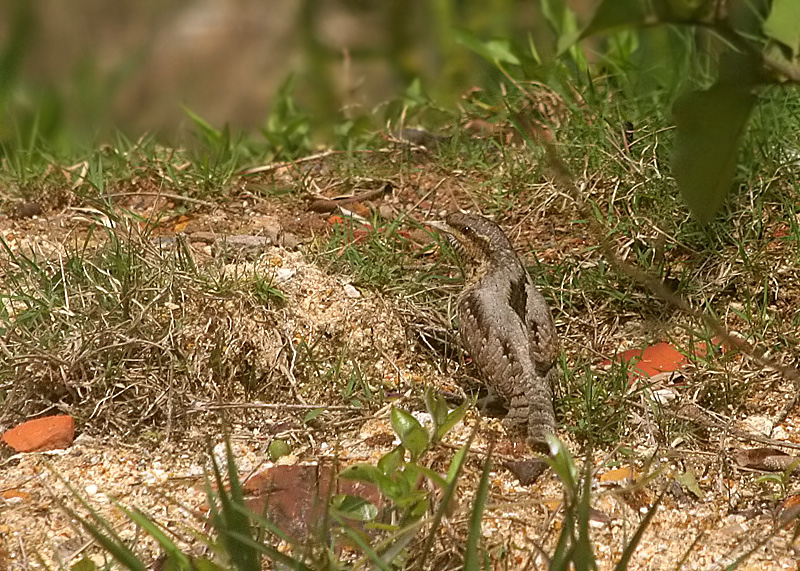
(282, 76)
(76, 73)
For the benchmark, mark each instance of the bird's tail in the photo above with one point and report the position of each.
(531, 411)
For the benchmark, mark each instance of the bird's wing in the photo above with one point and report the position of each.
(539, 323)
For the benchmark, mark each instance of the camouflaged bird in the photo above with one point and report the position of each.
(506, 327)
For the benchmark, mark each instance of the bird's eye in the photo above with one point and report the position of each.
(467, 230)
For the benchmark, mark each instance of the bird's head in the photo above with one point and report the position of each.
(475, 238)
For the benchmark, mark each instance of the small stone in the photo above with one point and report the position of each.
(779, 433)
(48, 433)
(91, 489)
(283, 275)
(15, 496)
(758, 424)
(351, 292)
(27, 210)
(664, 396)
(387, 211)
(527, 471)
(241, 246)
(163, 242)
(290, 241)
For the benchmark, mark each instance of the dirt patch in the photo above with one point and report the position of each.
(257, 341)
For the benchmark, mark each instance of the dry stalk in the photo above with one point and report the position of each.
(565, 182)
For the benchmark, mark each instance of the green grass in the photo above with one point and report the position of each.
(98, 320)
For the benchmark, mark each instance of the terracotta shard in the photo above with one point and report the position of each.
(41, 434)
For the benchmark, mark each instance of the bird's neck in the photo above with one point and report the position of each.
(498, 264)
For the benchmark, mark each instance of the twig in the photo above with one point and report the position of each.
(168, 195)
(698, 416)
(200, 406)
(784, 411)
(277, 166)
(563, 179)
(309, 158)
(323, 205)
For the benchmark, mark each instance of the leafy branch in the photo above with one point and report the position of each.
(754, 38)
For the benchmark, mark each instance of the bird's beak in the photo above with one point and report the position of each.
(438, 225)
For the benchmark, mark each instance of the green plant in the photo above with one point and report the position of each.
(288, 128)
(574, 548)
(218, 157)
(596, 403)
(782, 479)
(241, 538)
(741, 50)
(399, 474)
(712, 66)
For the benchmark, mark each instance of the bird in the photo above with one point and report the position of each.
(506, 327)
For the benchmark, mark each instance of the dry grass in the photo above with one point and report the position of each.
(146, 338)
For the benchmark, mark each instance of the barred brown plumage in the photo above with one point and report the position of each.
(506, 327)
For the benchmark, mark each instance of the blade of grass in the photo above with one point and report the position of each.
(112, 543)
(630, 548)
(449, 492)
(472, 558)
(381, 562)
(230, 523)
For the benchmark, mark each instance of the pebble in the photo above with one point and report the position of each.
(283, 275)
(351, 292)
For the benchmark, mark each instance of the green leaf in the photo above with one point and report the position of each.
(583, 557)
(410, 499)
(663, 56)
(372, 475)
(443, 418)
(457, 462)
(412, 435)
(110, 541)
(770, 479)
(436, 406)
(562, 464)
(83, 564)
(633, 543)
(783, 23)
(354, 507)
(169, 547)
(397, 544)
(312, 414)
(559, 16)
(209, 133)
(688, 481)
(710, 125)
(495, 51)
(230, 519)
(277, 449)
(416, 94)
(362, 473)
(113, 544)
(420, 508)
(687, 9)
(453, 417)
(205, 564)
(391, 461)
(408, 479)
(434, 477)
(612, 14)
(472, 559)
(357, 538)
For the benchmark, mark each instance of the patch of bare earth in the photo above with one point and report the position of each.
(258, 369)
